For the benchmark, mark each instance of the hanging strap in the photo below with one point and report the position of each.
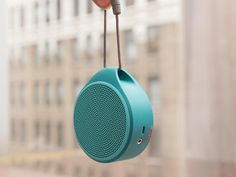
(118, 41)
(117, 11)
(105, 40)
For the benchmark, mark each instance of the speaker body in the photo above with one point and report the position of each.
(113, 117)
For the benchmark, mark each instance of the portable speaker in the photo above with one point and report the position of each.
(113, 117)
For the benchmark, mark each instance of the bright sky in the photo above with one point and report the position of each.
(3, 77)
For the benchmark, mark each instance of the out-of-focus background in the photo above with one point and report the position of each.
(183, 53)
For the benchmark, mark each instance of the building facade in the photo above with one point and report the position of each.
(211, 85)
(55, 46)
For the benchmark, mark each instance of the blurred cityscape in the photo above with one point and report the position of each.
(183, 53)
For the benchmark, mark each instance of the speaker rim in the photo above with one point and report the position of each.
(125, 142)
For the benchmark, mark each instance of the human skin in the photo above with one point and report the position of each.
(104, 4)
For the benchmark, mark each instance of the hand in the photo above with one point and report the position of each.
(104, 4)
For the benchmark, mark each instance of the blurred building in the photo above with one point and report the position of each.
(210, 88)
(55, 47)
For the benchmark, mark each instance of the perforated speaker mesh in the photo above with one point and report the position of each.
(100, 120)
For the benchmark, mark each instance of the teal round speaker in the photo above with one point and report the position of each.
(113, 117)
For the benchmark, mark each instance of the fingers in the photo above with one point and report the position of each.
(103, 4)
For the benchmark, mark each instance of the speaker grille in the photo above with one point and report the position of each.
(101, 120)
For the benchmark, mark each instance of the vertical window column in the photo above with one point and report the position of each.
(75, 49)
(12, 93)
(22, 93)
(60, 135)
(23, 132)
(154, 94)
(36, 13)
(36, 92)
(58, 5)
(76, 90)
(48, 133)
(60, 51)
(60, 92)
(47, 93)
(37, 133)
(47, 52)
(89, 51)
(75, 7)
(89, 7)
(47, 13)
(22, 16)
(129, 45)
(153, 34)
(13, 130)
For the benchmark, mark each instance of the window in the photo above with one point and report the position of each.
(13, 130)
(37, 165)
(76, 7)
(36, 92)
(11, 57)
(154, 147)
(108, 46)
(47, 14)
(12, 54)
(23, 54)
(58, 9)
(47, 166)
(77, 172)
(60, 169)
(60, 135)
(75, 143)
(17, 53)
(91, 172)
(129, 44)
(48, 133)
(22, 17)
(129, 2)
(12, 93)
(89, 7)
(36, 13)
(22, 93)
(60, 92)
(105, 173)
(36, 55)
(23, 131)
(47, 93)
(12, 17)
(101, 42)
(46, 52)
(76, 91)
(153, 39)
(75, 49)
(155, 172)
(89, 47)
(37, 130)
(60, 51)
(154, 93)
